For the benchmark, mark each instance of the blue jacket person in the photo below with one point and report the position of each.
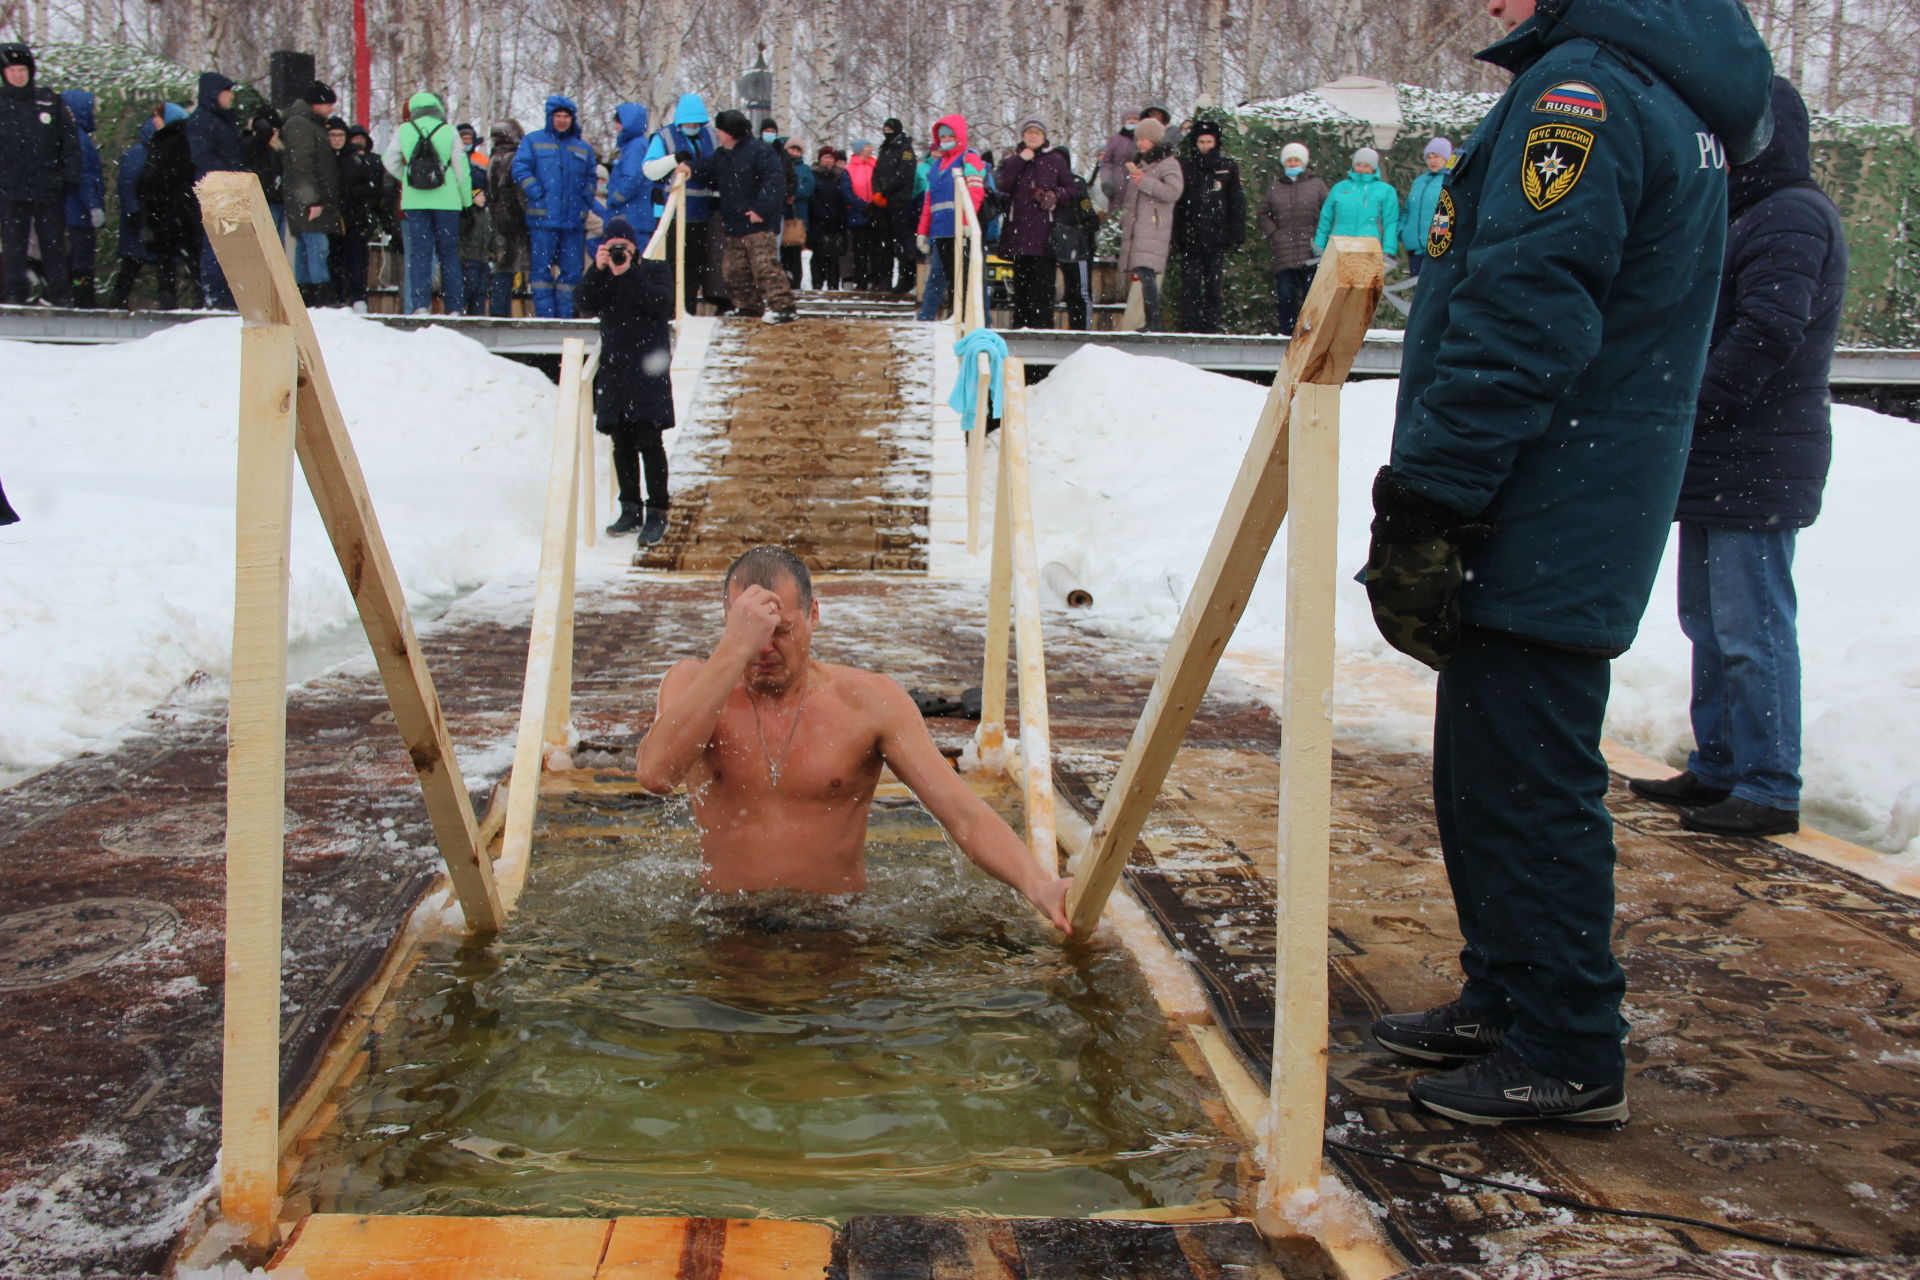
(1547, 393)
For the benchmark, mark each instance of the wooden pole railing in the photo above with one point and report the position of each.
(288, 409)
(967, 316)
(1014, 589)
(672, 223)
(545, 698)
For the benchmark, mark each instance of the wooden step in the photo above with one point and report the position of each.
(329, 1246)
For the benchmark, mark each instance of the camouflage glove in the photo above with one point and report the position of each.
(1413, 573)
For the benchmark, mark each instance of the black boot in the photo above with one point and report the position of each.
(306, 296)
(654, 527)
(630, 519)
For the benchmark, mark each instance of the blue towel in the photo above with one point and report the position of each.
(963, 388)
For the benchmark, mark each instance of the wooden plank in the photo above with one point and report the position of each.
(589, 499)
(1306, 797)
(556, 540)
(334, 1246)
(234, 213)
(977, 449)
(991, 736)
(1333, 324)
(716, 1249)
(256, 784)
(560, 694)
(1036, 734)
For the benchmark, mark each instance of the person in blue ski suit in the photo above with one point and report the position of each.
(554, 168)
(629, 190)
(688, 138)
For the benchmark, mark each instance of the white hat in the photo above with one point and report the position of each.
(1293, 153)
(1367, 156)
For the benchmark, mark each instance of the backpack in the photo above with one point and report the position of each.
(425, 170)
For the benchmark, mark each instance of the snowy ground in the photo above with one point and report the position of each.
(1133, 457)
(119, 579)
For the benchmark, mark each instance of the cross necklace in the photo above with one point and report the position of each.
(775, 766)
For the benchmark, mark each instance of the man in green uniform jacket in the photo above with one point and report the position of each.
(1547, 390)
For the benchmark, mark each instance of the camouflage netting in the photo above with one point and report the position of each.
(1871, 170)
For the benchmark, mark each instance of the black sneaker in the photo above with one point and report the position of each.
(1502, 1089)
(786, 315)
(654, 526)
(1736, 817)
(629, 519)
(1449, 1034)
(1686, 791)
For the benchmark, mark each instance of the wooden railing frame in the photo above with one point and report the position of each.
(546, 697)
(1291, 464)
(288, 409)
(968, 315)
(673, 221)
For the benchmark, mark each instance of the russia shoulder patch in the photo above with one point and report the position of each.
(1574, 98)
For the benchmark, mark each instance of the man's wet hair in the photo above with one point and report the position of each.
(768, 567)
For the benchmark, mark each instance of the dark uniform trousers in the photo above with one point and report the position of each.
(1519, 789)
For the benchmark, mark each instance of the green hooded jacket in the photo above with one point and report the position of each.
(1560, 330)
(427, 117)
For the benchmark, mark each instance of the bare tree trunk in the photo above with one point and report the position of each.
(829, 73)
(1255, 87)
(785, 27)
(1797, 32)
(1836, 55)
(1059, 64)
(1001, 100)
(669, 31)
(1210, 55)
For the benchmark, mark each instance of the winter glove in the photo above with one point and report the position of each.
(879, 201)
(1413, 572)
(923, 244)
(99, 218)
(1046, 198)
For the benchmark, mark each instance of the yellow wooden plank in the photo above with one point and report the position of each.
(716, 1248)
(256, 783)
(338, 1246)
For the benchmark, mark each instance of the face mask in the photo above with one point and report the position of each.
(691, 130)
(1295, 170)
(768, 137)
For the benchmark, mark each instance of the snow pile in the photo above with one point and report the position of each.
(1133, 457)
(120, 459)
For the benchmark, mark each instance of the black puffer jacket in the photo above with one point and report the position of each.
(1763, 436)
(265, 156)
(635, 309)
(362, 187)
(751, 175)
(212, 135)
(39, 143)
(893, 173)
(169, 213)
(1212, 214)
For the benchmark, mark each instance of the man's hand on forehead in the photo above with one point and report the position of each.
(753, 614)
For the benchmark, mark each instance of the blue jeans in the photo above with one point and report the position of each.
(1737, 605)
(428, 234)
(310, 258)
(1289, 292)
(565, 250)
(935, 296)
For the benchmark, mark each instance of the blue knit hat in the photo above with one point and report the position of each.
(620, 229)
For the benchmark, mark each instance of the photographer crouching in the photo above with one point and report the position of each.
(633, 394)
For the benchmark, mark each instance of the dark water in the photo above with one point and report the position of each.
(629, 1046)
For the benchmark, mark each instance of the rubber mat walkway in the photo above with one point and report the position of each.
(812, 436)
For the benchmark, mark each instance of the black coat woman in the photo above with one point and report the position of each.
(633, 394)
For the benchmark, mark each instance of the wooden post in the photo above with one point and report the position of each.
(679, 206)
(977, 448)
(992, 734)
(560, 682)
(589, 498)
(962, 224)
(234, 213)
(1333, 324)
(1299, 1089)
(256, 784)
(551, 596)
(1036, 732)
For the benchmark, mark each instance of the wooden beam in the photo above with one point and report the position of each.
(1332, 326)
(550, 597)
(589, 499)
(1036, 733)
(234, 213)
(256, 784)
(991, 737)
(1299, 1101)
(977, 447)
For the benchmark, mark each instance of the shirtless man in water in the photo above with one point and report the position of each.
(781, 753)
